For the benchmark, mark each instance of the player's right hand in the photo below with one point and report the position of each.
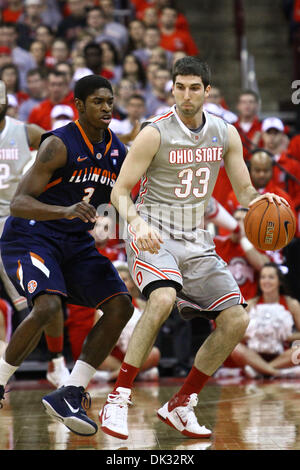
(146, 238)
(83, 210)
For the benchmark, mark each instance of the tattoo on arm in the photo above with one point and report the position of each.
(50, 150)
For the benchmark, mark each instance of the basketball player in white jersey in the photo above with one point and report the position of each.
(178, 155)
(16, 138)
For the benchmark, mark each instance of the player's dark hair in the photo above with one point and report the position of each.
(86, 86)
(192, 66)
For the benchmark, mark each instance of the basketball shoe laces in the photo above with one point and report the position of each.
(118, 413)
(186, 410)
(83, 397)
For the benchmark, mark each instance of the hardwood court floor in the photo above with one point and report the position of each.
(243, 414)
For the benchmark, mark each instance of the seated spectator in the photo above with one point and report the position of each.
(60, 51)
(136, 30)
(261, 173)
(123, 91)
(286, 170)
(214, 104)
(38, 51)
(128, 128)
(58, 93)
(159, 56)
(36, 91)
(248, 124)
(151, 43)
(151, 70)
(274, 325)
(173, 39)
(12, 10)
(10, 37)
(102, 30)
(110, 61)
(243, 259)
(134, 71)
(66, 68)
(117, 32)
(150, 17)
(9, 74)
(158, 95)
(70, 27)
(92, 54)
(32, 16)
(50, 13)
(294, 147)
(45, 34)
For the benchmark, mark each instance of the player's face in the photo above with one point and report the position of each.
(268, 280)
(189, 94)
(98, 108)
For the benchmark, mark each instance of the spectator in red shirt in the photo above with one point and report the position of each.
(12, 11)
(294, 147)
(248, 124)
(261, 173)
(173, 39)
(286, 170)
(58, 93)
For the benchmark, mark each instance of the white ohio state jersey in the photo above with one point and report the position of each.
(14, 155)
(181, 177)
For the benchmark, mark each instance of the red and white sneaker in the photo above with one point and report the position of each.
(113, 416)
(179, 414)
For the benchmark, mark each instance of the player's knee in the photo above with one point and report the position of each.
(45, 308)
(162, 302)
(234, 321)
(121, 307)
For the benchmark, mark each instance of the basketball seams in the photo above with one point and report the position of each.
(246, 220)
(261, 221)
(279, 226)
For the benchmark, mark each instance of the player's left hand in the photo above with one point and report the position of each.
(271, 197)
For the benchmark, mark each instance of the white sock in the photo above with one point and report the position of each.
(6, 371)
(81, 375)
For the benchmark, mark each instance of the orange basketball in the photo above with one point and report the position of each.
(269, 226)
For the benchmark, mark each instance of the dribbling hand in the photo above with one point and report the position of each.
(271, 197)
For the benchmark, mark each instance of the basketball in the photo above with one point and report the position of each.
(269, 226)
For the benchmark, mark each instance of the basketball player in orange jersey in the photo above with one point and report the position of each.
(177, 155)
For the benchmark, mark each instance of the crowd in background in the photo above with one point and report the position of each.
(47, 45)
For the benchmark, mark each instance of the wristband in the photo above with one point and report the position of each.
(246, 244)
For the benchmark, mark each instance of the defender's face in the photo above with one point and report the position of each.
(98, 108)
(189, 94)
